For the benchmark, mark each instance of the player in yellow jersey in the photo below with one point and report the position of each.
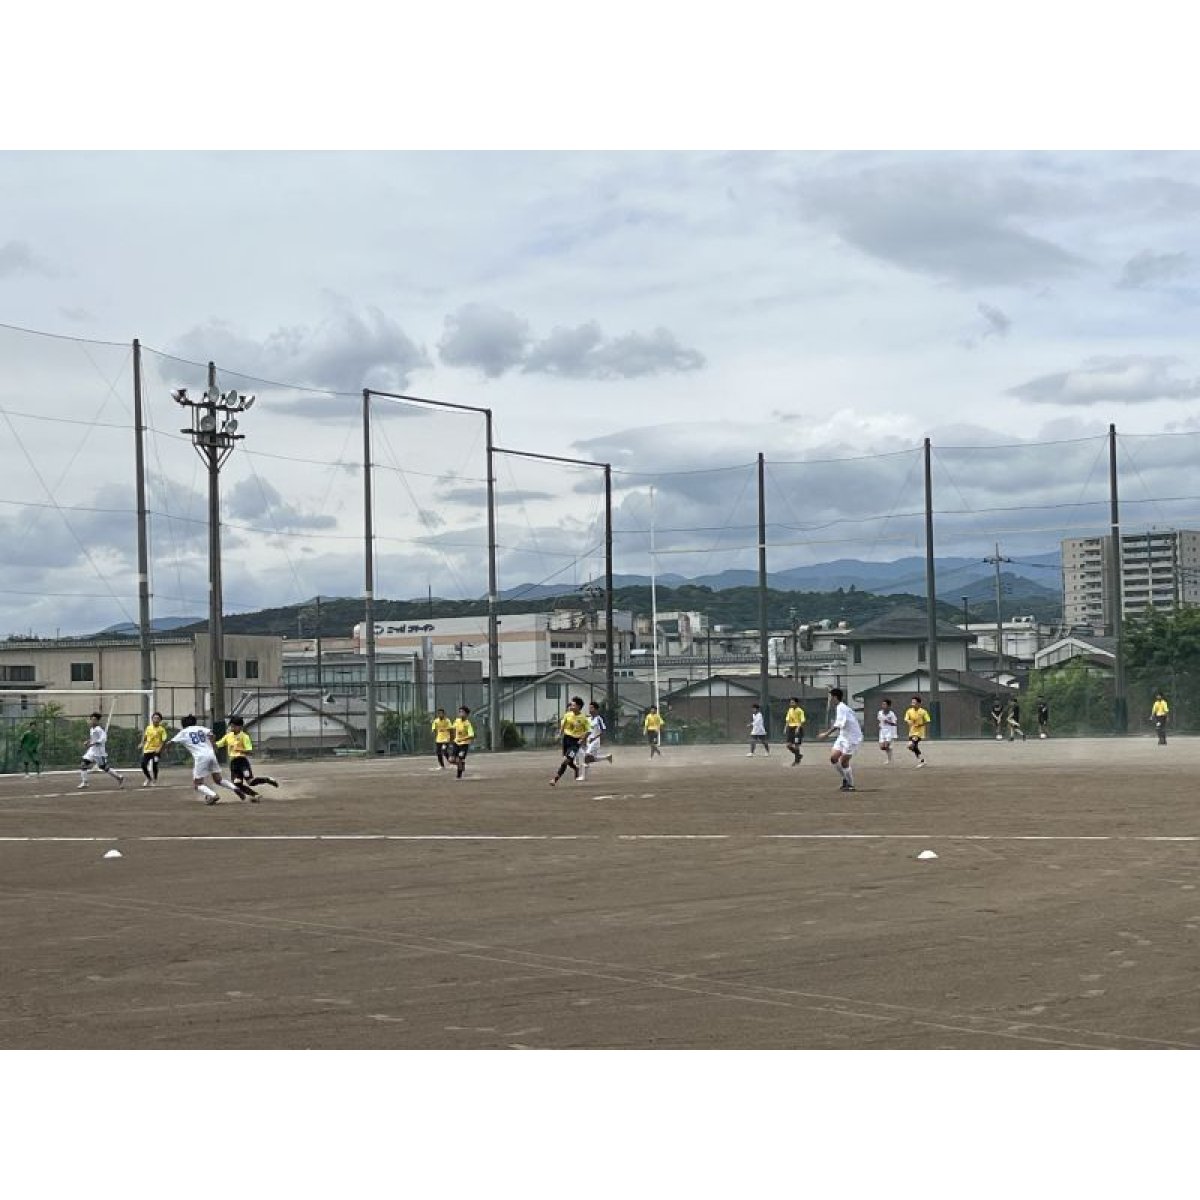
(652, 727)
(152, 743)
(574, 726)
(443, 738)
(1158, 714)
(793, 729)
(464, 735)
(237, 742)
(917, 719)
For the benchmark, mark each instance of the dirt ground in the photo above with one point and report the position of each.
(704, 899)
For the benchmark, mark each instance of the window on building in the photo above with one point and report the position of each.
(82, 672)
(231, 668)
(920, 652)
(251, 668)
(552, 691)
(17, 674)
(558, 660)
(858, 652)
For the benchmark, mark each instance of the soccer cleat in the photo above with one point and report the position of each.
(749, 753)
(211, 799)
(145, 783)
(120, 780)
(920, 762)
(79, 787)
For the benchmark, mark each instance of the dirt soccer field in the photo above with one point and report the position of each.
(705, 899)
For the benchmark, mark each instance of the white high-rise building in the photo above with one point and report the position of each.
(1160, 569)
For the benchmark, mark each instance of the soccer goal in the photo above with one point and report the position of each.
(50, 724)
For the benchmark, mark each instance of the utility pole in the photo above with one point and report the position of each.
(997, 559)
(143, 554)
(214, 435)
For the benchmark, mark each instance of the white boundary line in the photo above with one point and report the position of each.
(620, 837)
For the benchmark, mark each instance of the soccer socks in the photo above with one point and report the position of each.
(848, 775)
(229, 787)
(206, 791)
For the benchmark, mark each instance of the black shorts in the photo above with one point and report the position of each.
(652, 736)
(570, 746)
(793, 735)
(239, 767)
(915, 739)
(459, 750)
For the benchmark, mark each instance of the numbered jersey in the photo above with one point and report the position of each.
(195, 740)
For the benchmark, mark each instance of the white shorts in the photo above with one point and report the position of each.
(92, 755)
(887, 735)
(843, 745)
(204, 766)
(592, 747)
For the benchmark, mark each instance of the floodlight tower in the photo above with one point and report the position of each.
(214, 433)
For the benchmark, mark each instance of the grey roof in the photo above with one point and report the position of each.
(967, 681)
(905, 625)
(779, 687)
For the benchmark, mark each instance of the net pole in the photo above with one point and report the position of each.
(369, 575)
(493, 616)
(764, 686)
(143, 554)
(935, 700)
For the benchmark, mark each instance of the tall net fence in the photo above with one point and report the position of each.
(1014, 523)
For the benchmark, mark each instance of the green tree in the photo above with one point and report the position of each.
(1162, 653)
(1080, 699)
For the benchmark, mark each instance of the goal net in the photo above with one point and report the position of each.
(49, 726)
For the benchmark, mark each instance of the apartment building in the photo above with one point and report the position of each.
(1160, 569)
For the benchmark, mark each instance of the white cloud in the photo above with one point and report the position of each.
(1131, 379)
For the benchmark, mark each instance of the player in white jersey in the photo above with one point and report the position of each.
(95, 753)
(591, 748)
(889, 727)
(849, 738)
(197, 740)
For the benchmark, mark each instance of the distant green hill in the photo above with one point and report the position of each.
(737, 607)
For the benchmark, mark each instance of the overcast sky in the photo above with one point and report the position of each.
(666, 312)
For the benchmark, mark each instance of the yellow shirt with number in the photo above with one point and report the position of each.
(464, 731)
(443, 729)
(153, 739)
(917, 720)
(795, 717)
(653, 722)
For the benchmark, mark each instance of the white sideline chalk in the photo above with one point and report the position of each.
(927, 854)
(112, 854)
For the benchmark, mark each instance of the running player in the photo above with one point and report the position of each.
(197, 740)
(1159, 711)
(758, 731)
(917, 719)
(574, 728)
(443, 738)
(464, 735)
(1014, 720)
(1043, 716)
(153, 740)
(888, 728)
(591, 748)
(652, 726)
(237, 742)
(95, 754)
(849, 738)
(793, 729)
